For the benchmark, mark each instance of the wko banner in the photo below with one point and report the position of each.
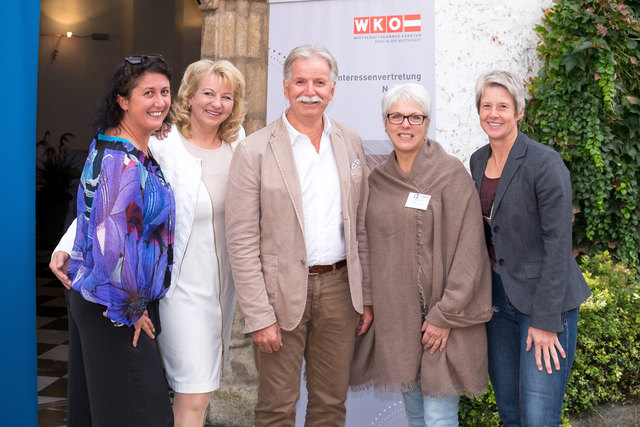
(387, 24)
(377, 43)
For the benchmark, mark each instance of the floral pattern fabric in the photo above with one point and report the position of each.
(122, 253)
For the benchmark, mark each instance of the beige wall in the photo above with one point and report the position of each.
(70, 85)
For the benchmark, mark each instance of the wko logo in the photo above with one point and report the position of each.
(386, 24)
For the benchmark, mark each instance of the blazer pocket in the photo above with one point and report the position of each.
(355, 180)
(532, 269)
(270, 274)
(356, 174)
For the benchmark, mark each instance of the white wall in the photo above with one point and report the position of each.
(472, 37)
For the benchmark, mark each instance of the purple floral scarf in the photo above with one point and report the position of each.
(122, 254)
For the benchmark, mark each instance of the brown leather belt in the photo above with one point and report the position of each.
(321, 269)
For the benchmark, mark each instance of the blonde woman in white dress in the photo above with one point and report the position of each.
(197, 311)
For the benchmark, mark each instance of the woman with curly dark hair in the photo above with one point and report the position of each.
(197, 310)
(120, 264)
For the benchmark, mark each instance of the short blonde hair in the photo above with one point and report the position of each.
(229, 129)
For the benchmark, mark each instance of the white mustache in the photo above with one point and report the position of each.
(309, 99)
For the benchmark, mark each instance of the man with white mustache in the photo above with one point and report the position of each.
(295, 229)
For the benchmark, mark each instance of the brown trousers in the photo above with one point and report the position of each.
(325, 338)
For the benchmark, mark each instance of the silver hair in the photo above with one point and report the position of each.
(306, 52)
(514, 85)
(410, 92)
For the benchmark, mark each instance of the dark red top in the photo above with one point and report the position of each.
(487, 194)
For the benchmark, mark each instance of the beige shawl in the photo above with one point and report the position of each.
(425, 264)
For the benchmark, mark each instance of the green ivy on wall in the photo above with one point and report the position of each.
(586, 105)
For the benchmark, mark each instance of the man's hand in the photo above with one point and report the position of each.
(268, 339)
(434, 338)
(545, 344)
(364, 320)
(59, 265)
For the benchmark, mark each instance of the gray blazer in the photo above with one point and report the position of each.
(265, 228)
(531, 226)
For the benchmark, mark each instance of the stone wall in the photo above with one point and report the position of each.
(238, 30)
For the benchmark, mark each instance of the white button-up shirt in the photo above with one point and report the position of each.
(320, 186)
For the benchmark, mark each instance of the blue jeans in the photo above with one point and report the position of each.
(425, 411)
(525, 396)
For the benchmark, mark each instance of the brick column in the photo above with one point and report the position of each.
(238, 30)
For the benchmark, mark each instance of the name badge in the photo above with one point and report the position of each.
(418, 201)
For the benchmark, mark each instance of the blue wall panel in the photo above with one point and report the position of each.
(19, 23)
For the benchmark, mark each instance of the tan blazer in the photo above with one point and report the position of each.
(265, 228)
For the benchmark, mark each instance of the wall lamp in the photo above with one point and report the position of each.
(69, 34)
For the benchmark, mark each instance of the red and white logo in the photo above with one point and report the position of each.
(387, 24)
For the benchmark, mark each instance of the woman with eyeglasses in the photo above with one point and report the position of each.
(121, 258)
(525, 193)
(197, 310)
(431, 285)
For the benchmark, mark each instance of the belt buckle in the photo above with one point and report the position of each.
(326, 268)
(322, 269)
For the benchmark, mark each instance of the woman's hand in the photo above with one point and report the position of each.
(545, 344)
(434, 338)
(364, 320)
(59, 265)
(145, 324)
(162, 132)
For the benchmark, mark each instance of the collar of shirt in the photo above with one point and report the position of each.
(294, 134)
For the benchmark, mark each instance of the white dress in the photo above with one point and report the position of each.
(191, 340)
(196, 314)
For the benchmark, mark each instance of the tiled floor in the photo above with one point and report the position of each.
(51, 322)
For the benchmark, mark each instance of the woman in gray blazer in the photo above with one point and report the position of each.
(537, 286)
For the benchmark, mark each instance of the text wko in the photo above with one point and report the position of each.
(386, 24)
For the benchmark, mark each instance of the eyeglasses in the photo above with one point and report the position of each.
(140, 59)
(398, 119)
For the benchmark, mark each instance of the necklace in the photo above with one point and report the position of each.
(134, 141)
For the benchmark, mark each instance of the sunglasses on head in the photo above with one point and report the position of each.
(140, 59)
